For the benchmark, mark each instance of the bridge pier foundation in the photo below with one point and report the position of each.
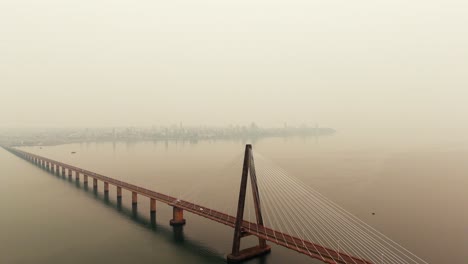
(95, 183)
(63, 171)
(77, 176)
(152, 205)
(248, 253)
(134, 198)
(85, 179)
(119, 192)
(70, 173)
(106, 187)
(177, 217)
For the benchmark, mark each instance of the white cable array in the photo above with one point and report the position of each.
(333, 231)
(300, 207)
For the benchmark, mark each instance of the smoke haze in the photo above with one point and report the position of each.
(395, 66)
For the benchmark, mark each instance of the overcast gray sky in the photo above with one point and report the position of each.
(340, 63)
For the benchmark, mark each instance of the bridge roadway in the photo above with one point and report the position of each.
(311, 249)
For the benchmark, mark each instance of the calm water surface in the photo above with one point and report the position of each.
(418, 193)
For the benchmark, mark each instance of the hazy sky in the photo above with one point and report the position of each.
(336, 62)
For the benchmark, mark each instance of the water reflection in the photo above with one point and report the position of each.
(172, 234)
(153, 219)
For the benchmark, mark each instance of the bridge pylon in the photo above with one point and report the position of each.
(238, 255)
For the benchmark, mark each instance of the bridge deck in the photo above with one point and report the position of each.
(311, 249)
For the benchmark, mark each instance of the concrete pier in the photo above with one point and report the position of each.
(119, 192)
(134, 198)
(85, 179)
(70, 173)
(77, 176)
(177, 217)
(152, 205)
(248, 253)
(63, 171)
(106, 187)
(95, 183)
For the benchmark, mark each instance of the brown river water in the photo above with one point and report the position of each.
(418, 192)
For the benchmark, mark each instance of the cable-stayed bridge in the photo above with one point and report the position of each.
(286, 212)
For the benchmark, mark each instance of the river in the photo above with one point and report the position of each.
(417, 195)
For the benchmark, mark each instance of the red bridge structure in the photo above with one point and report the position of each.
(242, 228)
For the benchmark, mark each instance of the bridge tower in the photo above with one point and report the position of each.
(238, 255)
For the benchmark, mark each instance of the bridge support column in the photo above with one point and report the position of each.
(63, 171)
(238, 255)
(134, 198)
(52, 169)
(70, 173)
(85, 179)
(95, 183)
(119, 192)
(177, 217)
(152, 205)
(77, 176)
(106, 187)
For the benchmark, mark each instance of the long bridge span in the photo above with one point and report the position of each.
(242, 228)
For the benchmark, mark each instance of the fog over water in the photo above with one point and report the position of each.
(397, 66)
(389, 76)
(418, 197)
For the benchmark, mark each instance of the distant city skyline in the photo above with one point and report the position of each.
(51, 136)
